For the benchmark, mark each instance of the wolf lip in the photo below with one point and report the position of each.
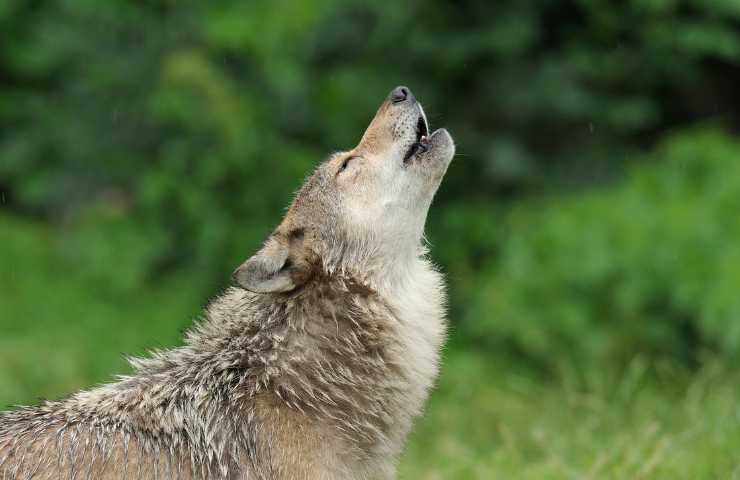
(422, 139)
(416, 147)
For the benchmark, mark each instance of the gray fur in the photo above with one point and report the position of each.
(314, 369)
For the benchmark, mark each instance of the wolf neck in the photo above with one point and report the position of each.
(382, 263)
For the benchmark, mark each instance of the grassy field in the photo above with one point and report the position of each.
(62, 328)
(481, 425)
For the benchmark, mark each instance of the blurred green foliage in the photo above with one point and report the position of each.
(650, 266)
(159, 141)
(588, 228)
(61, 329)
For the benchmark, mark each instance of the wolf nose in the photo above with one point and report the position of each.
(400, 94)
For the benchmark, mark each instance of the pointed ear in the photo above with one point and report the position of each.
(268, 271)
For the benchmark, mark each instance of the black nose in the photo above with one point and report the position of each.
(400, 94)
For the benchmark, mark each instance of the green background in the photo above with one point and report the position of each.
(589, 226)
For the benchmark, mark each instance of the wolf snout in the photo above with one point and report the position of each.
(401, 94)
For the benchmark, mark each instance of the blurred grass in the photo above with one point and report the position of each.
(61, 329)
(484, 421)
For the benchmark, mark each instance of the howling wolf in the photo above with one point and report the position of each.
(312, 368)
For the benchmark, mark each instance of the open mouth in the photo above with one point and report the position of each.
(422, 138)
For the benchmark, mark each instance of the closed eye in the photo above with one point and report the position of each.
(344, 164)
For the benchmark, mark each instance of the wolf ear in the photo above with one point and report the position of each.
(268, 271)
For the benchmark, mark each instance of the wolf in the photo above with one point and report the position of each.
(314, 365)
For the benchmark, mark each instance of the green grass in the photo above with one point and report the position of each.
(62, 328)
(483, 423)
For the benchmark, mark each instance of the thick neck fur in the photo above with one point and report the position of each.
(350, 356)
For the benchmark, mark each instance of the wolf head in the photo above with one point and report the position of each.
(362, 212)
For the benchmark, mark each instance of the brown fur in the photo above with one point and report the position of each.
(314, 369)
